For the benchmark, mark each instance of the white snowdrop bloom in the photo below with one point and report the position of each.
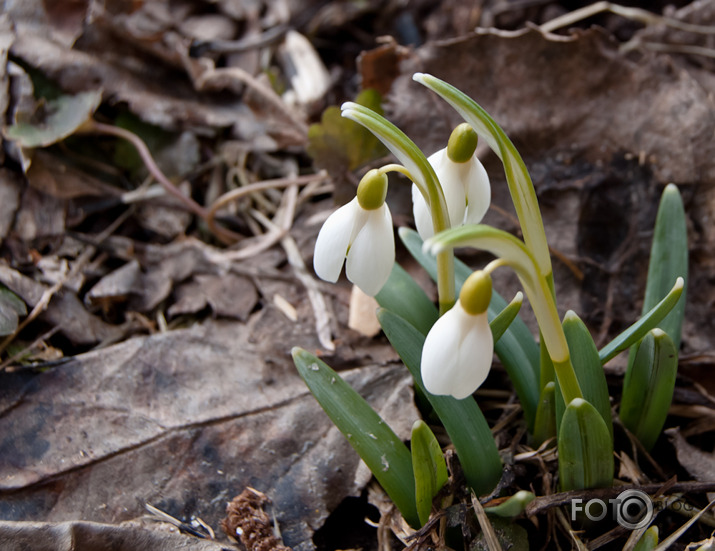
(360, 235)
(464, 181)
(458, 350)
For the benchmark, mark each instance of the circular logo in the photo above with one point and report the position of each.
(634, 509)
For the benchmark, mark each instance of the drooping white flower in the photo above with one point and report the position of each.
(360, 235)
(464, 181)
(457, 353)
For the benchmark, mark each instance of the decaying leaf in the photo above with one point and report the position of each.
(56, 120)
(94, 536)
(184, 420)
(116, 286)
(700, 464)
(65, 309)
(10, 193)
(228, 295)
(11, 308)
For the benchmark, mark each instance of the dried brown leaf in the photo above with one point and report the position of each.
(183, 420)
(228, 295)
(65, 309)
(10, 191)
(700, 464)
(93, 536)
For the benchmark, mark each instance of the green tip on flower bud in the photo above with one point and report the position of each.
(372, 190)
(476, 293)
(462, 143)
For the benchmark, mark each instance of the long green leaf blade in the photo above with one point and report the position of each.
(585, 448)
(640, 328)
(648, 541)
(545, 425)
(516, 348)
(506, 317)
(668, 260)
(589, 370)
(648, 387)
(429, 467)
(379, 447)
(462, 419)
(403, 296)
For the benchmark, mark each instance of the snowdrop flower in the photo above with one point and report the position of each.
(457, 353)
(360, 232)
(464, 182)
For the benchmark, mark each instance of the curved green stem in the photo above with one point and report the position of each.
(514, 253)
(417, 169)
(520, 186)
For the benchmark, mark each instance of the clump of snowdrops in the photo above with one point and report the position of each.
(449, 348)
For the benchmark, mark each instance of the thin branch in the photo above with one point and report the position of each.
(225, 235)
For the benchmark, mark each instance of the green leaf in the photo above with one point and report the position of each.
(585, 448)
(379, 447)
(588, 368)
(338, 144)
(403, 296)
(648, 541)
(647, 322)
(61, 118)
(668, 260)
(11, 308)
(648, 387)
(506, 317)
(462, 419)
(429, 467)
(545, 425)
(516, 348)
(513, 506)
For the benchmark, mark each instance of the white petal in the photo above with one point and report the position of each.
(476, 355)
(372, 254)
(452, 177)
(479, 192)
(422, 215)
(333, 241)
(457, 354)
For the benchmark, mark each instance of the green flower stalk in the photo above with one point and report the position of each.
(520, 187)
(419, 170)
(514, 253)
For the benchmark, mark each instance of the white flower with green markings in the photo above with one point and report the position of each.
(360, 235)
(457, 354)
(464, 181)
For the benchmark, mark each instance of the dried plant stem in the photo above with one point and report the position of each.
(635, 14)
(490, 535)
(236, 194)
(295, 259)
(226, 236)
